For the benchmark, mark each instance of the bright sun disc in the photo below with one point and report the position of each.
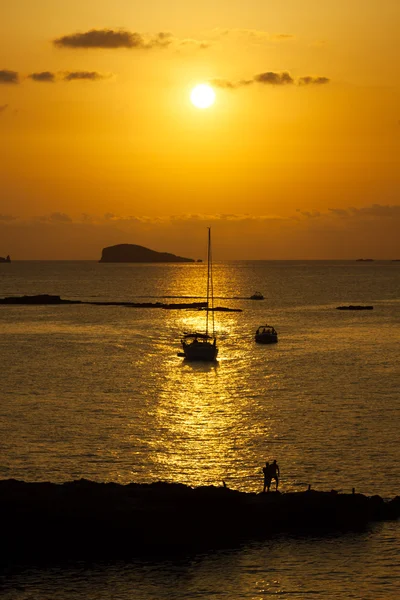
(202, 96)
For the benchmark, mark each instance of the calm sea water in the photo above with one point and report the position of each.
(99, 392)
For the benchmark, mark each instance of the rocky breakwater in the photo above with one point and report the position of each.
(87, 520)
(38, 299)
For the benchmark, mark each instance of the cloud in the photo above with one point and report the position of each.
(345, 233)
(111, 39)
(253, 35)
(192, 218)
(230, 85)
(44, 76)
(59, 217)
(202, 45)
(100, 38)
(374, 210)
(309, 80)
(310, 214)
(268, 78)
(55, 217)
(9, 76)
(271, 78)
(339, 212)
(282, 36)
(83, 75)
(3, 107)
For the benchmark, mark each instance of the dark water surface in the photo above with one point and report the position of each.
(99, 392)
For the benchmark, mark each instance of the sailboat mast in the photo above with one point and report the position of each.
(211, 285)
(208, 276)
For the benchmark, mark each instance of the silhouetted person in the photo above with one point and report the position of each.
(274, 472)
(267, 476)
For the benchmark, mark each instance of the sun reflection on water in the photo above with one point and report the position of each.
(203, 418)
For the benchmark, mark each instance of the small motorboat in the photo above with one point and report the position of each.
(266, 334)
(257, 296)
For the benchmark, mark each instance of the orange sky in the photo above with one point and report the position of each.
(100, 143)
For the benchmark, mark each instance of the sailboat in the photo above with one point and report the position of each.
(203, 346)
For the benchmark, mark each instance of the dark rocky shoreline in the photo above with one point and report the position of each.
(82, 519)
(48, 299)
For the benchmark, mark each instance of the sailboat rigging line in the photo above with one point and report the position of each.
(208, 279)
(212, 286)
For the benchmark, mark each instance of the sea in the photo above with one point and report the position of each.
(99, 392)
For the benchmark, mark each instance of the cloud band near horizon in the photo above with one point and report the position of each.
(269, 78)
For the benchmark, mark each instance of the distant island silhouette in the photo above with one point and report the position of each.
(139, 254)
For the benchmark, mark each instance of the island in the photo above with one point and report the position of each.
(131, 253)
(82, 519)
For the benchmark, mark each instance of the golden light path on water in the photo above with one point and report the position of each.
(204, 411)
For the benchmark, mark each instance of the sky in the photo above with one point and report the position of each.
(298, 158)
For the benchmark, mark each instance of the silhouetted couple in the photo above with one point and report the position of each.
(271, 471)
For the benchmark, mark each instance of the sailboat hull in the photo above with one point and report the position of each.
(201, 351)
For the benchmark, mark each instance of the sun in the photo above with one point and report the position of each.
(202, 96)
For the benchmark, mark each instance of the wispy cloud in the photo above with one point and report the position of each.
(112, 39)
(43, 77)
(188, 218)
(268, 78)
(83, 75)
(308, 233)
(230, 85)
(282, 37)
(253, 35)
(100, 38)
(8, 76)
(372, 211)
(310, 214)
(190, 43)
(271, 78)
(309, 80)
(55, 217)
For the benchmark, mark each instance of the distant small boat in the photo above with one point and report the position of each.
(257, 296)
(203, 346)
(266, 334)
(5, 260)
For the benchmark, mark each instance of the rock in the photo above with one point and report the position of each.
(354, 307)
(39, 299)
